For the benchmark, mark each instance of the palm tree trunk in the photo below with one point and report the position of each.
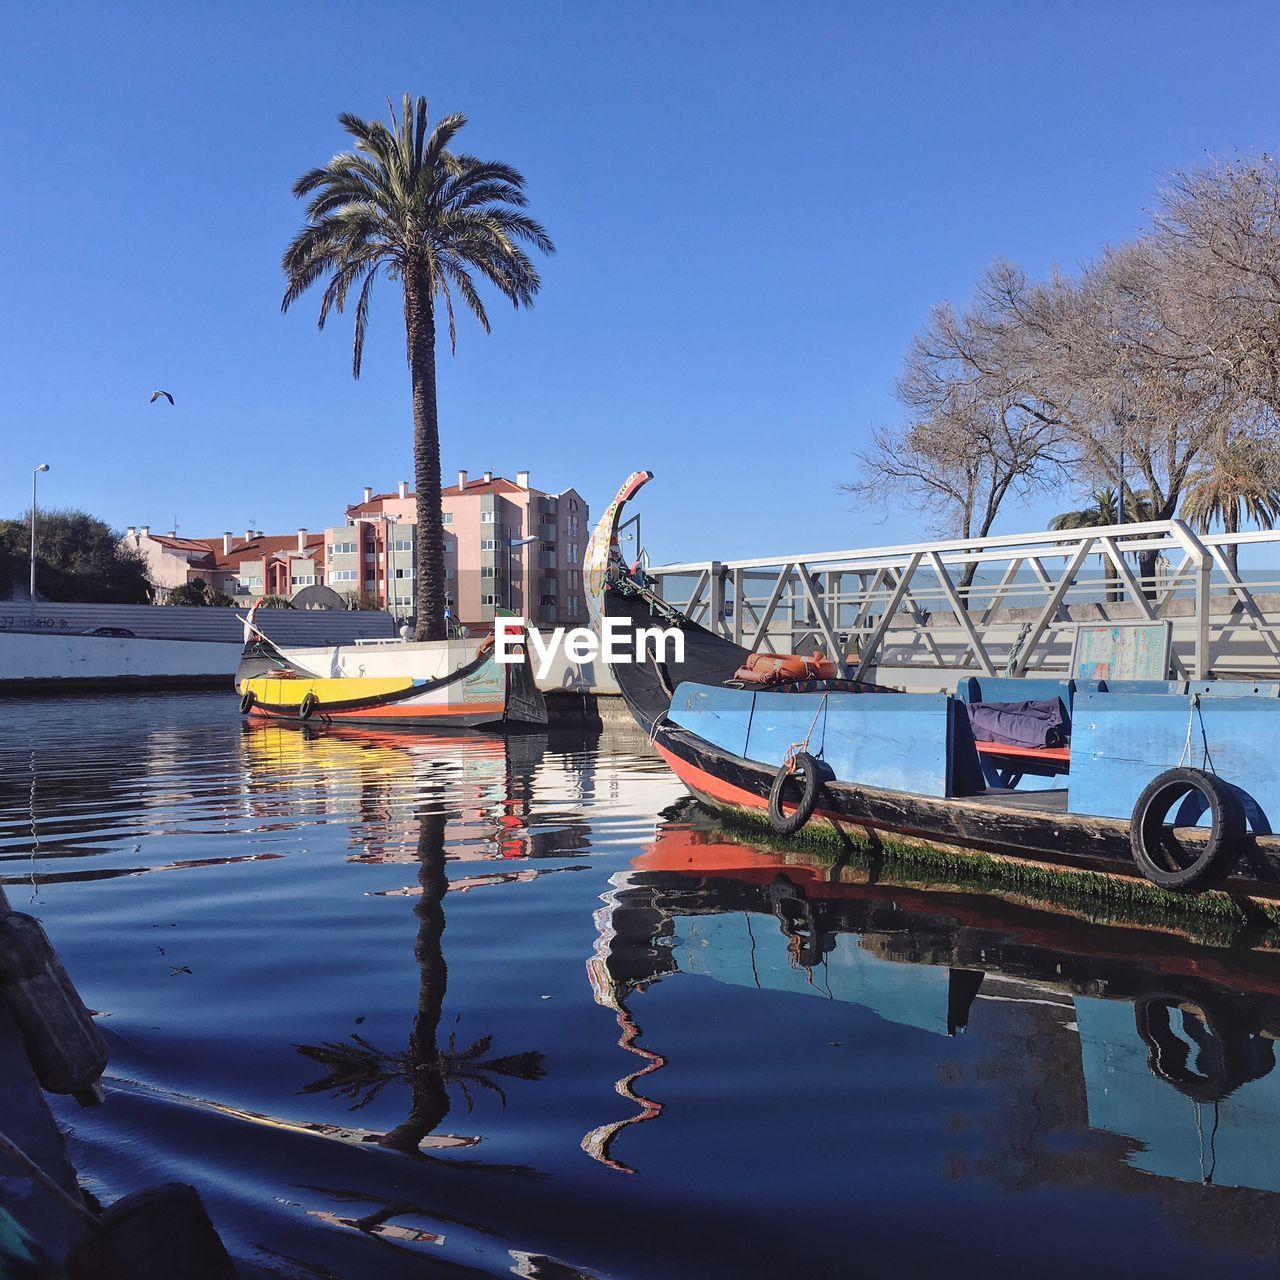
(429, 1097)
(420, 326)
(1231, 524)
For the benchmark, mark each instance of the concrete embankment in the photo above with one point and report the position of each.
(61, 662)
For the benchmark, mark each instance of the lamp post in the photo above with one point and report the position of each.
(514, 542)
(44, 466)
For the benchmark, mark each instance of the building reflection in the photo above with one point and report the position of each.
(1085, 1037)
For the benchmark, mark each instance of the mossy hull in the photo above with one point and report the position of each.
(1098, 896)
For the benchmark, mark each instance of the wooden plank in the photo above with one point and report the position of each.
(1120, 741)
(717, 715)
(894, 741)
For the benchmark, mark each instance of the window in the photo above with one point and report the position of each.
(574, 604)
(448, 571)
(487, 571)
(488, 517)
(402, 544)
(488, 599)
(328, 551)
(404, 573)
(548, 600)
(344, 575)
(300, 580)
(488, 544)
(446, 517)
(343, 548)
(573, 551)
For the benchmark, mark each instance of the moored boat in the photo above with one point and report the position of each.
(1171, 782)
(441, 684)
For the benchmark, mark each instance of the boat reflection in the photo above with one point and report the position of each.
(1136, 1033)
(380, 782)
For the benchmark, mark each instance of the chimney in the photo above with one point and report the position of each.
(488, 475)
(522, 479)
(302, 539)
(248, 535)
(462, 480)
(173, 533)
(404, 488)
(145, 531)
(226, 543)
(130, 531)
(368, 493)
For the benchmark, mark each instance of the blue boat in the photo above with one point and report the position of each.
(1169, 781)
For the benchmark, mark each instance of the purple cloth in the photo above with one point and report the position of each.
(1020, 724)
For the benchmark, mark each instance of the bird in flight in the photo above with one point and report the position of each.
(155, 395)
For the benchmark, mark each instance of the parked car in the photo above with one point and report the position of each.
(120, 633)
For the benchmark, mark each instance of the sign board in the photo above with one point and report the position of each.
(1122, 651)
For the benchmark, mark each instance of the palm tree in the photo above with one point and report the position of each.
(1103, 509)
(403, 205)
(1238, 484)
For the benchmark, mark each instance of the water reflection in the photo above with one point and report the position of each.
(763, 1047)
(1126, 1031)
(359, 1071)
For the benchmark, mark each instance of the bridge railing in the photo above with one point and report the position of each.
(1005, 604)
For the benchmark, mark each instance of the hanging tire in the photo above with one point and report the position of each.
(1156, 849)
(308, 706)
(246, 701)
(804, 769)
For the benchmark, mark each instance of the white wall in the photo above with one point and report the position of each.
(70, 657)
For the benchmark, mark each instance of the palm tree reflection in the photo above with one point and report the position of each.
(359, 1071)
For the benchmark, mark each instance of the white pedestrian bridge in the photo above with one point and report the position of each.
(922, 614)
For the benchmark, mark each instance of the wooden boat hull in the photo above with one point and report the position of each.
(481, 694)
(1020, 830)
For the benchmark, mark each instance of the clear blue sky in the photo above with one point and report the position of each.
(755, 205)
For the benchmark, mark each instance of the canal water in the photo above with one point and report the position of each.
(401, 1005)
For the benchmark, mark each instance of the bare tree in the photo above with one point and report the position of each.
(1137, 402)
(976, 430)
(1218, 231)
(1138, 373)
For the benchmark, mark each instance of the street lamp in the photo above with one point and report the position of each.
(514, 542)
(44, 466)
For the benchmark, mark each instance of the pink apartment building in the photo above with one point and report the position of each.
(374, 551)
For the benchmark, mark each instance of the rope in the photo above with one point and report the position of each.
(789, 755)
(1186, 756)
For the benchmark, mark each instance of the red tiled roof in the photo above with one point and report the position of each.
(499, 484)
(182, 544)
(257, 548)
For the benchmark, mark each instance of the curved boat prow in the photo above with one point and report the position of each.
(603, 550)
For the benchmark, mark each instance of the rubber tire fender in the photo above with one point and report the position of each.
(246, 701)
(805, 767)
(1226, 831)
(308, 706)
